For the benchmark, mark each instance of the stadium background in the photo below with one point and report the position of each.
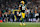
(7, 8)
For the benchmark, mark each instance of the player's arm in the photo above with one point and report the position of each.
(19, 7)
(26, 7)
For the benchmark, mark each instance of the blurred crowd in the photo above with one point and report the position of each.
(7, 11)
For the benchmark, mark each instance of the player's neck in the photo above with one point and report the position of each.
(23, 4)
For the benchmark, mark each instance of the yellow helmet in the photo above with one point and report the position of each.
(22, 2)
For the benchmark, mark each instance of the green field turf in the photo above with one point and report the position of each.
(17, 24)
